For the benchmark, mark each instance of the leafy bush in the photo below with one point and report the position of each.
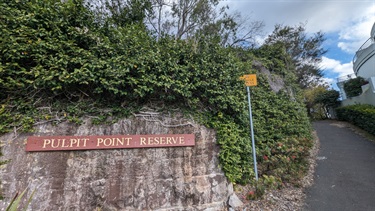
(353, 87)
(73, 59)
(361, 115)
(329, 98)
(283, 135)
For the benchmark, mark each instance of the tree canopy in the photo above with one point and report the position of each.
(305, 51)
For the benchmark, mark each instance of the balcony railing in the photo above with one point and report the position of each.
(365, 45)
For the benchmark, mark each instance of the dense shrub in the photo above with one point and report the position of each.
(353, 87)
(283, 134)
(361, 115)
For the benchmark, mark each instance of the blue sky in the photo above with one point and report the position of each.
(345, 23)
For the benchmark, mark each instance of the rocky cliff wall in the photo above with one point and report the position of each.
(174, 178)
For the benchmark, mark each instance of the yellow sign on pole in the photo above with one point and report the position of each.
(250, 80)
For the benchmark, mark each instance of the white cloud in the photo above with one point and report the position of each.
(335, 66)
(350, 46)
(327, 16)
(357, 31)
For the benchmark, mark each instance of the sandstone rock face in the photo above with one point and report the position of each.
(174, 178)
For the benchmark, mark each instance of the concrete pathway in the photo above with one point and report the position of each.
(345, 174)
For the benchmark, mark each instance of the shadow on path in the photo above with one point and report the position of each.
(344, 178)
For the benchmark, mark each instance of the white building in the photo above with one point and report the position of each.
(363, 66)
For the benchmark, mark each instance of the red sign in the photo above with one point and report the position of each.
(55, 143)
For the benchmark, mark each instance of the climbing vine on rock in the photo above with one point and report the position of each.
(59, 62)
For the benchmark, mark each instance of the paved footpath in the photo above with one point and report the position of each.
(345, 174)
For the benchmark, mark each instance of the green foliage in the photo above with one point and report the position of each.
(235, 148)
(314, 109)
(77, 60)
(304, 51)
(275, 58)
(362, 116)
(273, 113)
(282, 132)
(353, 87)
(328, 98)
(319, 100)
(122, 13)
(45, 46)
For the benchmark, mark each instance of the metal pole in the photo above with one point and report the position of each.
(252, 134)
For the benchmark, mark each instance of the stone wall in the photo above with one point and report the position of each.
(174, 178)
